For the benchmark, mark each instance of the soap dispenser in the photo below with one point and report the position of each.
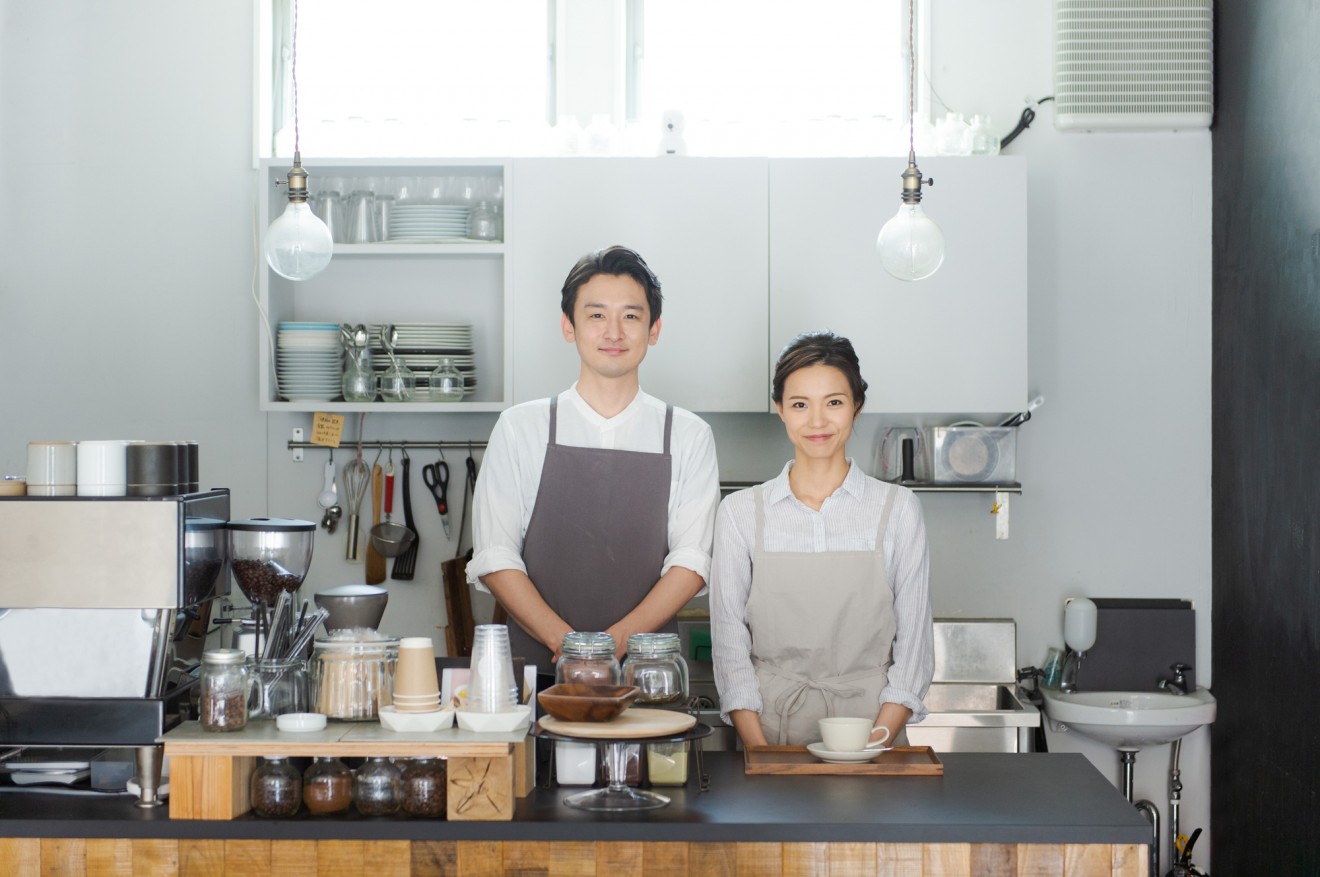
(1079, 620)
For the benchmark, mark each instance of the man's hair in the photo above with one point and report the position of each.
(614, 261)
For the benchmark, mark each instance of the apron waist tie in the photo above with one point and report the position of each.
(793, 699)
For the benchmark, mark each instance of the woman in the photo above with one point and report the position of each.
(818, 593)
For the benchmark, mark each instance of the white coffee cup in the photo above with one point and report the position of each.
(52, 469)
(102, 468)
(848, 734)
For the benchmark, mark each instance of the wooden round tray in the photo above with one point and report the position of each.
(631, 724)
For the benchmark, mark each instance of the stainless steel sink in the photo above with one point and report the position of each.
(974, 717)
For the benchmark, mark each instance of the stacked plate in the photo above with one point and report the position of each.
(308, 364)
(425, 223)
(421, 347)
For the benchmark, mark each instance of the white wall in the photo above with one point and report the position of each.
(126, 260)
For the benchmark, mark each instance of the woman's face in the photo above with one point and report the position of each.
(818, 411)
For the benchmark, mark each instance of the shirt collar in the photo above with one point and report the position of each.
(854, 483)
(590, 415)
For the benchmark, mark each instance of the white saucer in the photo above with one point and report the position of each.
(819, 750)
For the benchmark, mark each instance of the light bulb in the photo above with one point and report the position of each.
(298, 244)
(911, 245)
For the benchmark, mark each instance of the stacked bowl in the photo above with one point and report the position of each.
(308, 366)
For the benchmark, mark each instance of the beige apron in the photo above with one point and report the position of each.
(822, 626)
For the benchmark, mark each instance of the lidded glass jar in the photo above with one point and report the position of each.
(327, 786)
(225, 687)
(276, 788)
(588, 659)
(656, 667)
(424, 788)
(377, 787)
(352, 675)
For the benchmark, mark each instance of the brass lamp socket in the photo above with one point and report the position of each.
(912, 181)
(297, 181)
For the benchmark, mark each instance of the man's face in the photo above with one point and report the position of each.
(611, 325)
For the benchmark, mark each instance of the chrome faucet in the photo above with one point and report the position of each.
(1071, 664)
(1178, 684)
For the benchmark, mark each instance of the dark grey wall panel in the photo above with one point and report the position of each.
(1265, 768)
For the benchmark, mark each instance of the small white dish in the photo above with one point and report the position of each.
(819, 750)
(300, 722)
(436, 720)
(491, 723)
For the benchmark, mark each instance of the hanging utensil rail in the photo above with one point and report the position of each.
(397, 444)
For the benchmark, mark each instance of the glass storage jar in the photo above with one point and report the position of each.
(224, 690)
(424, 788)
(587, 659)
(377, 787)
(656, 667)
(352, 678)
(359, 381)
(276, 788)
(327, 786)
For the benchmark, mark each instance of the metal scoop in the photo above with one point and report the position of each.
(388, 537)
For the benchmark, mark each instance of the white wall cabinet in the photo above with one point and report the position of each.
(700, 223)
(955, 342)
(464, 283)
(750, 252)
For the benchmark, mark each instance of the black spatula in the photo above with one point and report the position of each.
(406, 564)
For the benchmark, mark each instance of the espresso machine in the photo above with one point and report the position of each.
(104, 608)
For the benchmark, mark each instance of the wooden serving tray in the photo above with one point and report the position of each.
(899, 761)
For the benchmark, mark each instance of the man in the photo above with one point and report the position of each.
(595, 509)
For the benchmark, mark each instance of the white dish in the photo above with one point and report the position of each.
(819, 750)
(490, 723)
(300, 723)
(436, 720)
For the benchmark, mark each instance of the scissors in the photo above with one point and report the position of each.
(436, 476)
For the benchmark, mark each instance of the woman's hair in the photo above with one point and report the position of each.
(819, 348)
(615, 261)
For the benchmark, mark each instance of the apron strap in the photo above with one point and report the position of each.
(554, 417)
(760, 516)
(884, 520)
(669, 423)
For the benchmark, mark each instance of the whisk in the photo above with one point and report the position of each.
(357, 478)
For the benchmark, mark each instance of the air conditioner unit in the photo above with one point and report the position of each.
(1133, 65)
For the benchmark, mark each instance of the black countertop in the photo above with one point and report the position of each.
(981, 798)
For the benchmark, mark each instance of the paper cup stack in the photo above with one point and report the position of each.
(416, 684)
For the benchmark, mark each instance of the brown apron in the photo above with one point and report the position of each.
(822, 626)
(598, 535)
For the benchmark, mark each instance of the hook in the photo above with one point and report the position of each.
(403, 449)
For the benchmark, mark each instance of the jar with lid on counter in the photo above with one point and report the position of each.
(586, 658)
(276, 788)
(377, 787)
(327, 786)
(224, 690)
(656, 666)
(425, 789)
(352, 675)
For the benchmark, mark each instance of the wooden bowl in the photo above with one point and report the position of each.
(587, 703)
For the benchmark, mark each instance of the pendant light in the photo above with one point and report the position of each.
(911, 245)
(298, 244)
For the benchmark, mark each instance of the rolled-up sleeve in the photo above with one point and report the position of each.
(730, 586)
(694, 498)
(914, 643)
(497, 513)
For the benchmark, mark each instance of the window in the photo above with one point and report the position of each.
(458, 78)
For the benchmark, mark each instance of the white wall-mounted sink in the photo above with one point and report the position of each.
(1131, 719)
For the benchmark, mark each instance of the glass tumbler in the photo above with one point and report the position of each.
(359, 382)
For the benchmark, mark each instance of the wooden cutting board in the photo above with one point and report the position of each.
(631, 723)
(899, 761)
